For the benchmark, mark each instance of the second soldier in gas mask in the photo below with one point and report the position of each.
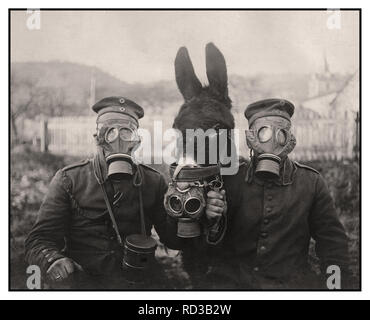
(269, 137)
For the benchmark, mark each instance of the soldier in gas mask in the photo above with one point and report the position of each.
(94, 225)
(276, 207)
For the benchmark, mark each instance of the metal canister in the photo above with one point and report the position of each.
(139, 251)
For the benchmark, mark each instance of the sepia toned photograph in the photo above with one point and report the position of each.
(185, 150)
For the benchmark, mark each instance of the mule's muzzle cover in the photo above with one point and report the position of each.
(187, 204)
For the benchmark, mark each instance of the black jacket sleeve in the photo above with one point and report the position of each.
(327, 230)
(46, 240)
(165, 226)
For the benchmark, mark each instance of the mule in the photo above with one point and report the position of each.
(205, 108)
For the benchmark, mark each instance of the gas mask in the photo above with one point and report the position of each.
(119, 139)
(271, 140)
(185, 198)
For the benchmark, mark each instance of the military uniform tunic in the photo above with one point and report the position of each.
(73, 220)
(270, 225)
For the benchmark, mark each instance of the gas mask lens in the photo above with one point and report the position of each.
(281, 137)
(175, 204)
(265, 134)
(127, 134)
(111, 135)
(192, 206)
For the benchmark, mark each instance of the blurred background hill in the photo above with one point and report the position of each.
(72, 85)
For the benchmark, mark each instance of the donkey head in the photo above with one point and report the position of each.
(205, 107)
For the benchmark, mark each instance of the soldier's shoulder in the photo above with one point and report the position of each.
(152, 176)
(76, 165)
(234, 178)
(306, 167)
(150, 169)
(243, 162)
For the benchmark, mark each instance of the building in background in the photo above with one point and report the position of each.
(328, 124)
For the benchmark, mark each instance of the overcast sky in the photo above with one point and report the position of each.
(141, 46)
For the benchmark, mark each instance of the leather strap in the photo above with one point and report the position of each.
(194, 173)
(113, 219)
(138, 182)
(99, 176)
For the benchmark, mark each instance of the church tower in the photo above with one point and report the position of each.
(321, 83)
(91, 99)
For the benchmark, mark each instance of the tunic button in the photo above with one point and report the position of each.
(112, 252)
(269, 198)
(256, 269)
(112, 238)
(268, 209)
(263, 248)
(266, 221)
(264, 235)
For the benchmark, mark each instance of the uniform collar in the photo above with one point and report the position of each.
(287, 173)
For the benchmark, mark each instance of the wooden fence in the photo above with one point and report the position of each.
(319, 139)
(72, 136)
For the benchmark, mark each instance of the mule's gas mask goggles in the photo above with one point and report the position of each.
(119, 138)
(271, 140)
(185, 199)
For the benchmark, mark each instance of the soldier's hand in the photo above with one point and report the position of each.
(216, 204)
(61, 269)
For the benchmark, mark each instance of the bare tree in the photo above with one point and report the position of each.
(23, 95)
(29, 99)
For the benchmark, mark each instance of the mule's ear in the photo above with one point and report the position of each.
(216, 70)
(187, 81)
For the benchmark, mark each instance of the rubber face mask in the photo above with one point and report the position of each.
(119, 139)
(271, 140)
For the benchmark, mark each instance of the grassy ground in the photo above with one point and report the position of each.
(32, 171)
